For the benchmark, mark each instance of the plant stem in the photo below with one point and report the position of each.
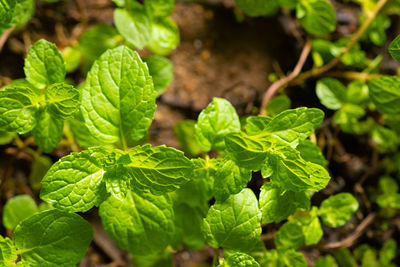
(352, 75)
(4, 37)
(273, 89)
(356, 37)
(216, 257)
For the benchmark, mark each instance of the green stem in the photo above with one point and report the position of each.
(216, 257)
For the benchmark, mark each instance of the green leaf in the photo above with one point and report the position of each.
(185, 134)
(97, 40)
(336, 210)
(311, 226)
(134, 25)
(188, 221)
(44, 64)
(23, 12)
(239, 260)
(8, 252)
(388, 252)
(48, 131)
(214, 123)
(294, 258)
(234, 223)
(17, 209)
(309, 151)
(290, 235)
(294, 124)
(278, 104)
(72, 57)
(344, 258)
(40, 165)
(290, 4)
(142, 223)
(18, 109)
(62, 100)
(6, 12)
(230, 179)
(161, 70)
(74, 183)
(256, 8)
(247, 151)
(325, 261)
(316, 16)
(118, 99)
(164, 36)
(376, 32)
(53, 238)
(385, 93)
(277, 203)
(256, 124)
(158, 169)
(6, 137)
(386, 139)
(348, 119)
(159, 8)
(394, 48)
(331, 93)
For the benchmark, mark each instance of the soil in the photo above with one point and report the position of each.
(218, 56)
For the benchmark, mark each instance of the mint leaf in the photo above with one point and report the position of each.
(188, 221)
(234, 223)
(72, 57)
(309, 151)
(325, 261)
(331, 93)
(312, 229)
(278, 104)
(23, 12)
(8, 252)
(53, 238)
(388, 252)
(118, 99)
(385, 93)
(6, 12)
(74, 183)
(18, 109)
(48, 131)
(294, 258)
(44, 64)
(289, 235)
(214, 123)
(394, 48)
(255, 8)
(277, 203)
(256, 124)
(161, 70)
(134, 25)
(230, 179)
(17, 209)
(6, 137)
(336, 210)
(158, 169)
(185, 134)
(142, 223)
(40, 165)
(62, 100)
(159, 8)
(164, 36)
(316, 16)
(239, 260)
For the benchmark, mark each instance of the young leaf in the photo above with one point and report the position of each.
(164, 36)
(118, 99)
(142, 223)
(316, 16)
(40, 165)
(312, 229)
(239, 259)
(278, 104)
(214, 123)
(6, 12)
(385, 93)
(161, 70)
(44, 64)
(6, 137)
(234, 223)
(294, 258)
(388, 252)
(8, 252)
(289, 236)
(159, 8)
(277, 204)
(134, 25)
(17, 209)
(72, 57)
(158, 169)
(53, 238)
(230, 179)
(62, 100)
(48, 131)
(255, 8)
(18, 109)
(185, 134)
(74, 183)
(325, 261)
(336, 210)
(331, 93)
(394, 48)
